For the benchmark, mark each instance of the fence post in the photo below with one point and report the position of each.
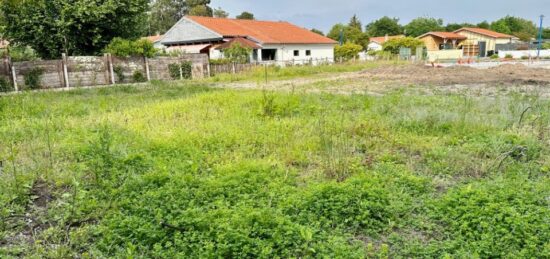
(147, 69)
(65, 70)
(208, 69)
(111, 69)
(181, 72)
(233, 68)
(14, 75)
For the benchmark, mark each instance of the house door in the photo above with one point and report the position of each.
(482, 49)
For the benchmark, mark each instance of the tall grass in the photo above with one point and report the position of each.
(178, 170)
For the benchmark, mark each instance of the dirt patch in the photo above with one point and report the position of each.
(425, 75)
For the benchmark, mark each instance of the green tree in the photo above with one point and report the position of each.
(347, 51)
(546, 33)
(220, 13)
(164, 14)
(455, 26)
(201, 10)
(237, 53)
(394, 45)
(75, 27)
(519, 27)
(422, 25)
(318, 31)
(384, 26)
(355, 23)
(127, 48)
(350, 34)
(484, 25)
(245, 16)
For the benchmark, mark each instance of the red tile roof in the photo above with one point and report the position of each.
(383, 39)
(489, 33)
(445, 35)
(265, 32)
(244, 42)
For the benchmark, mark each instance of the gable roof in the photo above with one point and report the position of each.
(485, 32)
(383, 39)
(244, 42)
(444, 35)
(265, 32)
(154, 39)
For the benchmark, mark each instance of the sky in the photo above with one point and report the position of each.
(322, 14)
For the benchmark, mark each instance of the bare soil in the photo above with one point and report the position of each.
(428, 80)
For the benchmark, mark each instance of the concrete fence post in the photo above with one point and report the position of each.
(111, 69)
(14, 75)
(181, 72)
(208, 69)
(65, 70)
(147, 72)
(233, 68)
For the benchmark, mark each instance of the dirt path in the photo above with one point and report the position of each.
(377, 81)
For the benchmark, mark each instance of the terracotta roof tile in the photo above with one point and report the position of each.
(244, 42)
(263, 31)
(486, 32)
(155, 38)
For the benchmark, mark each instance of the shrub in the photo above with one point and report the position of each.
(20, 53)
(507, 218)
(509, 56)
(119, 72)
(138, 77)
(494, 56)
(394, 45)
(5, 85)
(127, 48)
(186, 70)
(546, 45)
(524, 57)
(237, 53)
(347, 51)
(32, 78)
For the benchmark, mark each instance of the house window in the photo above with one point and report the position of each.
(308, 53)
(296, 53)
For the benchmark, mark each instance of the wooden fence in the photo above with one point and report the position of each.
(95, 71)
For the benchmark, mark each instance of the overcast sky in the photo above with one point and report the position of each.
(322, 14)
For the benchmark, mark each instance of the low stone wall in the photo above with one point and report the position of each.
(92, 70)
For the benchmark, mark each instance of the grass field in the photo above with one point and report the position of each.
(179, 170)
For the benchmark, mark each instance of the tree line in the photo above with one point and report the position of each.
(354, 31)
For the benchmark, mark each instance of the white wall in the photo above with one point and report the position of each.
(319, 52)
(523, 53)
(374, 46)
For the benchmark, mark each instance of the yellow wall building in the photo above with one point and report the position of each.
(485, 40)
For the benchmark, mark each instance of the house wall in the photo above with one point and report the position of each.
(285, 52)
(432, 43)
(474, 39)
(375, 46)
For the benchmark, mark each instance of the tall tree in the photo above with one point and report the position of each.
(220, 13)
(199, 8)
(350, 35)
(164, 14)
(384, 26)
(455, 26)
(76, 27)
(546, 33)
(318, 31)
(484, 25)
(355, 23)
(422, 25)
(519, 27)
(245, 16)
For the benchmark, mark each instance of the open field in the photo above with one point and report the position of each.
(397, 164)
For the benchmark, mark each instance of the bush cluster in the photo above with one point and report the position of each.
(182, 70)
(127, 48)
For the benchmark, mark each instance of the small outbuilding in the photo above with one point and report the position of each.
(439, 40)
(484, 41)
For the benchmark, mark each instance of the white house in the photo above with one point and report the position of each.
(375, 43)
(156, 41)
(276, 42)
